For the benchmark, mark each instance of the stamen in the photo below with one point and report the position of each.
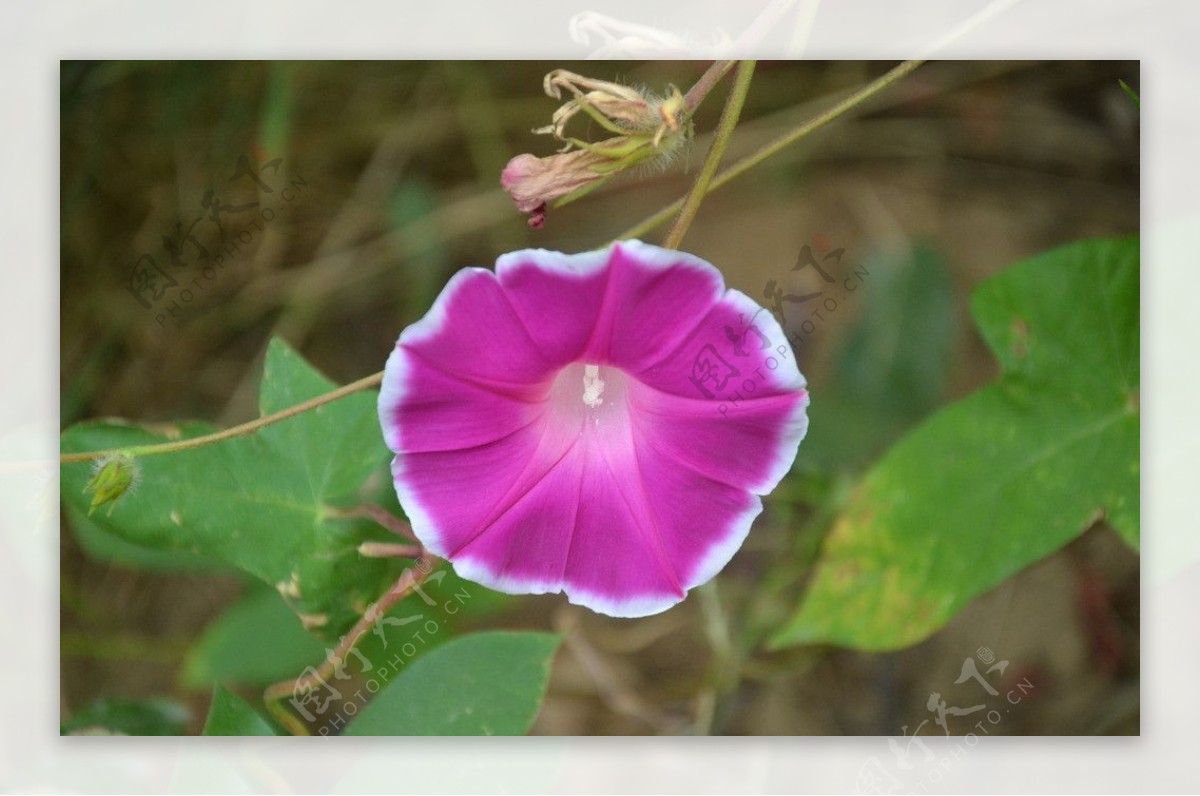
(593, 387)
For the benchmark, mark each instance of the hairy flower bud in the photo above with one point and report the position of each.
(645, 128)
(114, 476)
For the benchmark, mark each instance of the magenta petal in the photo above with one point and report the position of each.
(523, 549)
(619, 563)
(449, 495)
(729, 400)
(748, 351)
(702, 522)
(557, 295)
(598, 424)
(473, 309)
(423, 408)
(654, 300)
(726, 447)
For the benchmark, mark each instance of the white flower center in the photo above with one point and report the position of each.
(590, 397)
(593, 386)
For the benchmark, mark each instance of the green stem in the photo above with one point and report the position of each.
(388, 550)
(364, 383)
(377, 514)
(723, 667)
(787, 139)
(710, 78)
(729, 120)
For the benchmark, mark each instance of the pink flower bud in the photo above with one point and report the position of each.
(532, 182)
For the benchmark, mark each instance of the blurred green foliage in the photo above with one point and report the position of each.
(892, 368)
(128, 717)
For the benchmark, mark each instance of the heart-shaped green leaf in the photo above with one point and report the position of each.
(481, 684)
(260, 502)
(1005, 477)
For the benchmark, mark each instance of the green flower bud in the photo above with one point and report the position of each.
(114, 476)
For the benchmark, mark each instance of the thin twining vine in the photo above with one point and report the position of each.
(686, 207)
(729, 120)
(787, 139)
(365, 383)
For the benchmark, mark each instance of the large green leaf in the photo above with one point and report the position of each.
(229, 714)
(102, 545)
(482, 684)
(1006, 476)
(259, 502)
(257, 641)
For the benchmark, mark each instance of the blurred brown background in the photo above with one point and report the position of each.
(944, 179)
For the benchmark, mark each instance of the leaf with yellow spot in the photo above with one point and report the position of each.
(1006, 476)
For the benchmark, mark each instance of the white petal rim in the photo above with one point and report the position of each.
(423, 526)
(723, 551)
(579, 265)
(391, 393)
(435, 319)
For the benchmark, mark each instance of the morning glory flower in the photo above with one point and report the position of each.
(600, 424)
